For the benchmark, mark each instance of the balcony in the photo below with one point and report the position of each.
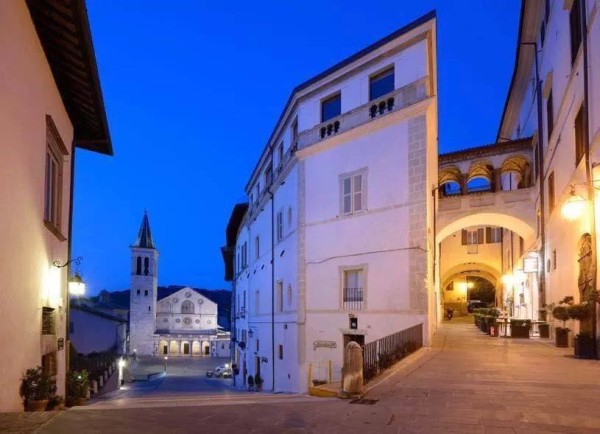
(393, 101)
(353, 299)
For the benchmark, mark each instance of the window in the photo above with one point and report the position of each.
(256, 302)
(551, 192)
(353, 289)
(279, 222)
(148, 308)
(289, 217)
(55, 150)
(381, 84)
(48, 321)
(244, 255)
(138, 292)
(138, 268)
(493, 235)
(146, 292)
(331, 107)
(268, 175)
(550, 114)
(295, 132)
(146, 266)
(280, 352)
(352, 193)
(579, 145)
(50, 364)
(257, 247)
(187, 307)
(280, 154)
(472, 238)
(257, 345)
(554, 259)
(543, 33)
(521, 246)
(244, 300)
(575, 29)
(279, 300)
(289, 295)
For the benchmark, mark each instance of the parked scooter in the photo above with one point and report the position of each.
(449, 314)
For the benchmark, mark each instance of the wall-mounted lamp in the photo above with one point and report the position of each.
(574, 206)
(76, 283)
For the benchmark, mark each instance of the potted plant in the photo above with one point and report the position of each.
(56, 402)
(36, 389)
(250, 382)
(258, 381)
(544, 329)
(78, 386)
(584, 341)
(520, 328)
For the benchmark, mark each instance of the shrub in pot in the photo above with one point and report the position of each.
(258, 381)
(561, 313)
(250, 382)
(544, 329)
(584, 341)
(36, 389)
(520, 328)
(78, 386)
(56, 402)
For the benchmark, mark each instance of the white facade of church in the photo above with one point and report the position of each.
(181, 324)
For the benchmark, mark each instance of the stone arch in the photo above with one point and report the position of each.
(472, 269)
(187, 307)
(480, 177)
(507, 221)
(450, 180)
(163, 347)
(174, 348)
(196, 348)
(205, 348)
(520, 167)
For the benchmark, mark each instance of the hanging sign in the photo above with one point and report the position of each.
(530, 264)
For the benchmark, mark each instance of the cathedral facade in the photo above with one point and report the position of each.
(183, 323)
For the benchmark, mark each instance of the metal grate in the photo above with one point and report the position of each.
(48, 325)
(364, 401)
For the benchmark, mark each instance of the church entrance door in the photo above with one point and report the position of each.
(186, 348)
(206, 350)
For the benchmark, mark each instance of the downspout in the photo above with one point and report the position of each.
(435, 255)
(69, 250)
(540, 173)
(272, 272)
(588, 167)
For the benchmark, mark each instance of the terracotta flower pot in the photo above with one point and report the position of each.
(36, 404)
(562, 337)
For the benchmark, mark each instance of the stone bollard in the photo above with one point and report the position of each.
(101, 382)
(353, 370)
(88, 394)
(94, 387)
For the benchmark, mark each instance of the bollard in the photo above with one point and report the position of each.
(88, 394)
(353, 370)
(101, 382)
(95, 387)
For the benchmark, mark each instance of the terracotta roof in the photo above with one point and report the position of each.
(523, 144)
(64, 32)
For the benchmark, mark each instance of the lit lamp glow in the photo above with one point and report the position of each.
(507, 279)
(76, 285)
(574, 206)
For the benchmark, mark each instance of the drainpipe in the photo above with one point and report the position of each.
(540, 172)
(272, 271)
(588, 167)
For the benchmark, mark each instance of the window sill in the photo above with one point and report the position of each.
(50, 226)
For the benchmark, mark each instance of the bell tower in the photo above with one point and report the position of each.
(143, 288)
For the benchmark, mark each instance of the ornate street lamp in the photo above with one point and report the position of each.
(574, 206)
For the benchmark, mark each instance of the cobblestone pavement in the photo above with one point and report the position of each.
(467, 383)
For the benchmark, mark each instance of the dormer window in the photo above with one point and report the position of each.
(381, 84)
(331, 107)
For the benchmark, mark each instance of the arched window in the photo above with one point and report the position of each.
(187, 307)
(139, 266)
(146, 266)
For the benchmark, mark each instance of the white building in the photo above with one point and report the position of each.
(180, 324)
(46, 113)
(338, 217)
(559, 48)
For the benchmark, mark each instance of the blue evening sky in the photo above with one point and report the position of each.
(192, 91)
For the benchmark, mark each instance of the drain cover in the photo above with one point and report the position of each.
(364, 401)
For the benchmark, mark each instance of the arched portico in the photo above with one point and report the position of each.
(446, 225)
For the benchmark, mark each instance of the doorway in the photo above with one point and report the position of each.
(186, 348)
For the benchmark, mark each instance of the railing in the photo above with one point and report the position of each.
(353, 298)
(393, 101)
(94, 363)
(383, 353)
